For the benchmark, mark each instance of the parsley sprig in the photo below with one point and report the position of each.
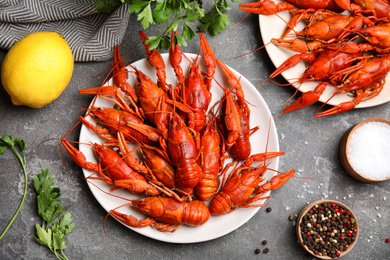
(9, 142)
(49, 208)
(172, 13)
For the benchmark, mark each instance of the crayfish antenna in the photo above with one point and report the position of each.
(326, 102)
(261, 47)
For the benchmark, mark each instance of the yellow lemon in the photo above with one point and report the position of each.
(37, 69)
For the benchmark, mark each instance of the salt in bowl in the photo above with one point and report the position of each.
(364, 150)
(347, 235)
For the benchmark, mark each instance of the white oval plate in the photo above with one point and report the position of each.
(272, 26)
(216, 226)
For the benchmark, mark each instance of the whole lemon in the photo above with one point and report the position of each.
(37, 69)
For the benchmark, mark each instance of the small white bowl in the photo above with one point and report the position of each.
(344, 148)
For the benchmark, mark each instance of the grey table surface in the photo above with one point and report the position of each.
(310, 144)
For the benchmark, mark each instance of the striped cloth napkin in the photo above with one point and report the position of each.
(90, 34)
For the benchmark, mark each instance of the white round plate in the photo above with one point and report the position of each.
(272, 26)
(216, 226)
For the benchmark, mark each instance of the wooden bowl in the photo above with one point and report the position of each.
(344, 148)
(307, 209)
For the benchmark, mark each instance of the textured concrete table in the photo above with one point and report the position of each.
(310, 145)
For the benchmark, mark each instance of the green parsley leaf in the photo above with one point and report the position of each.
(65, 223)
(136, 6)
(191, 16)
(161, 14)
(220, 24)
(188, 34)
(153, 41)
(146, 17)
(215, 20)
(8, 141)
(58, 240)
(43, 237)
(43, 181)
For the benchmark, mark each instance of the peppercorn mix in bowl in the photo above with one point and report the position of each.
(327, 229)
(364, 150)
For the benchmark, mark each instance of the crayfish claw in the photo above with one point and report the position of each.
(341, 108)
(307, 99)
(276, 182)
(265, 7)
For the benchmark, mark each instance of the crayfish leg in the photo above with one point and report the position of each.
(163, 227)
(131, 220)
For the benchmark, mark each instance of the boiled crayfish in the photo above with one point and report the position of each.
(344, 53)
(183, 143)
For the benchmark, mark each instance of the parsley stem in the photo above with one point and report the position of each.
(23, 163)
(63, 254)
(59, 256)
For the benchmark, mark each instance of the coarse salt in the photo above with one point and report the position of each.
(368, 150)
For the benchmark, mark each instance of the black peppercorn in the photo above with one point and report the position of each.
(257, 251)
(269, 209)
(266, 250)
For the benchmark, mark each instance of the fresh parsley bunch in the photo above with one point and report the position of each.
(171, 13)
(49, 208)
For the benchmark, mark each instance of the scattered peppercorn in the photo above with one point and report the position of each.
(328, 229)
(291, 217)
(388, 240)
(266, 250)
(264, 242)
(257, 251)
(269, 209)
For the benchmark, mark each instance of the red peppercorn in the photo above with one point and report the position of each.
(342, 211)
(346, 246)
(333, 204)
(342, 237)
(337, 210)
(316, 252)
(314, 208)
(354, 230)
(349, 235)
(348, 223)
(308, 233)
(338, 254)
(388, 240)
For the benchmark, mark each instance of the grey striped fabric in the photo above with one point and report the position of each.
(91, 35)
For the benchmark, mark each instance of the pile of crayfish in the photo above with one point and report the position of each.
(345, 44)
(182, 141)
